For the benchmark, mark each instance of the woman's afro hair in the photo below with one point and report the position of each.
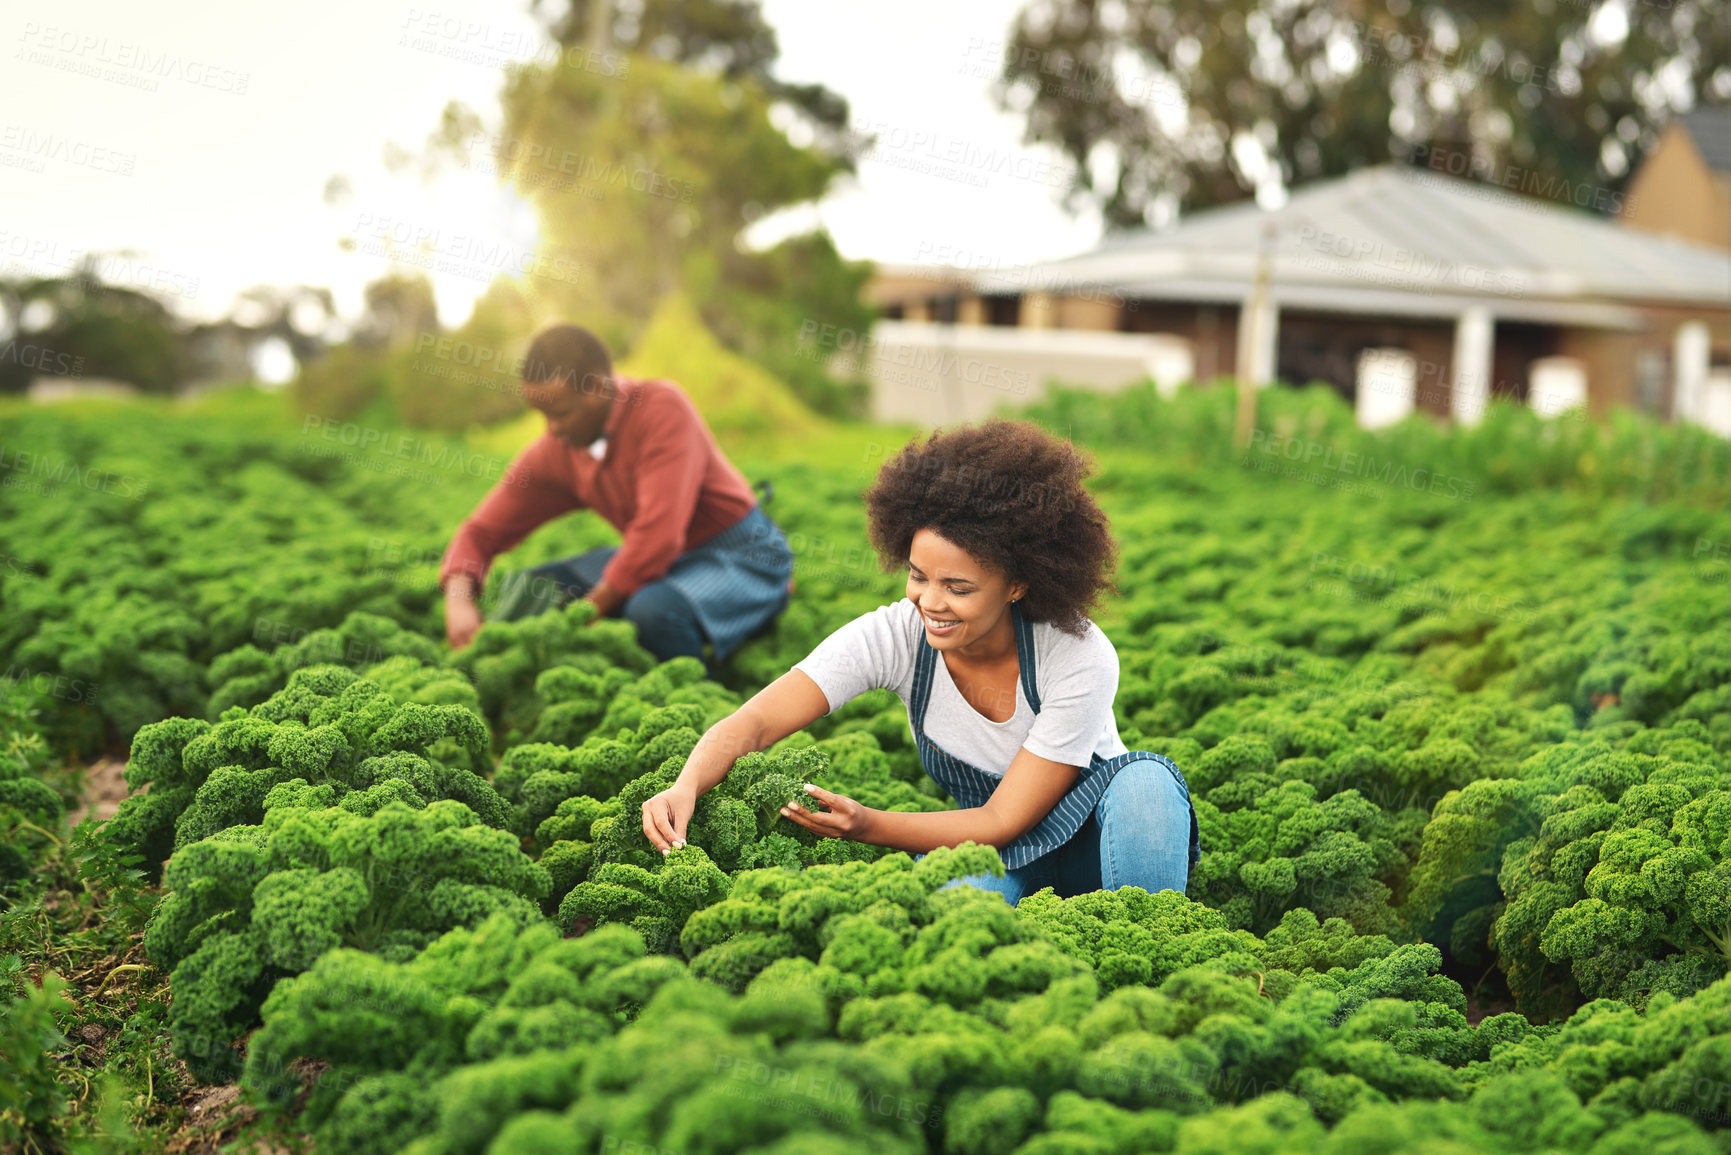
(1011, 495)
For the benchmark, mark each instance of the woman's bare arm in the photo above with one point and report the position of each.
(791, 702)
(1031, 788)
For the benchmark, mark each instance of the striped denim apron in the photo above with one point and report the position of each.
(971, 787)
(737, 580)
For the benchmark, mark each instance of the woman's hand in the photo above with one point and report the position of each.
(666, 815)
(844, 819)
(791, 702)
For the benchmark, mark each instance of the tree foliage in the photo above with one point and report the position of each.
(1148, 99)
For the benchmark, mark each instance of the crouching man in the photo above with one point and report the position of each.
(700, 560)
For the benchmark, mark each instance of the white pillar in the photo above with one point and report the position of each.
(1691, 356)
(1387, 383)
(1556, 385)
(1258, 339)
(1716, 402)
(1474, 335)
(1171, 362)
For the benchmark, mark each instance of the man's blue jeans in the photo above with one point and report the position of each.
(1138, 835)
(666, 624)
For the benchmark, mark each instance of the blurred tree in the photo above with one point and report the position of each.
(729, 38)
(1157, 99)
(298, 315)
(357, 375)
(399, 306)
(77, 325)
(224, 351)
(345, 382)
(759, 302)
(467, 377)
(644, 174)
(399, 364)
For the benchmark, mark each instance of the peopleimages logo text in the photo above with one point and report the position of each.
(1365, 465)
(385, 443)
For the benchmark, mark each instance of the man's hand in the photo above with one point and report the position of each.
(666, 815)
(844, 819)
(605, 599)
(462, 615)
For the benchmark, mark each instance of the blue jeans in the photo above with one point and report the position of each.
(666, 623)
(1138, 835)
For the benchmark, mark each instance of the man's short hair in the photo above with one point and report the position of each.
(566, 353)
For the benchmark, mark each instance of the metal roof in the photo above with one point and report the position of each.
(1710, 129)
(1397, 239)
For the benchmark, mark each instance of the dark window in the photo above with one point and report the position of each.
(893, 312)
(943, 309)
(1003, 310)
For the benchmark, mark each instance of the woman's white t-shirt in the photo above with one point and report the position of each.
(1076, 677)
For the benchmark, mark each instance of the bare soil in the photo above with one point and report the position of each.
(104, 790)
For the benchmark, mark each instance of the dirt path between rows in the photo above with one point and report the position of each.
(104, 790)
(215, 1115)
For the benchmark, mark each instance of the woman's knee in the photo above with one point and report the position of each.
(1146, 786)
(1144, 820)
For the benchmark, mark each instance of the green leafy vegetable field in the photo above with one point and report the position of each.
(1455, 708)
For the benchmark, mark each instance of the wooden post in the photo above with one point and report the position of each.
(1251, 316)
(600, 26)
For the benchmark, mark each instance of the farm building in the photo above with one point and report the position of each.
(1683, 187)
(1405, 287)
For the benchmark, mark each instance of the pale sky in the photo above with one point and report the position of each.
(201, 134)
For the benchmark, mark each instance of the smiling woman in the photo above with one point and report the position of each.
(1008, 685)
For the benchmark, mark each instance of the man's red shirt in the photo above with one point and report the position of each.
(661, 481)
